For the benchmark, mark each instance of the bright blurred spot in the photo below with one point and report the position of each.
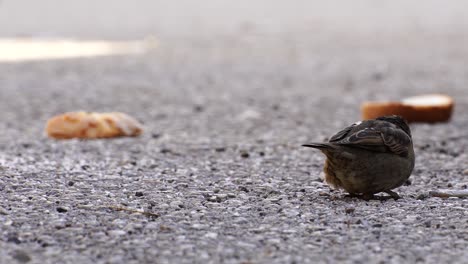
(13, 50)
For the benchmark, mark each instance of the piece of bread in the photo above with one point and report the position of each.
(429, 108)
(92, 125)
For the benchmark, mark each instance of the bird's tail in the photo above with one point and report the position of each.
(320, 146)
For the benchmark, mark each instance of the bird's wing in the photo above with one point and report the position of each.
(378, 139)
(396, 140)
(343, 133)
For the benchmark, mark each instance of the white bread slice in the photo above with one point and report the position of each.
(428, 108)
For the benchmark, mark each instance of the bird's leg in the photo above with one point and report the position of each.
(393, 194)
(367, 196)
(353, 195)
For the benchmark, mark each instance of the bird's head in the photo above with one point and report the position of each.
(398, 121)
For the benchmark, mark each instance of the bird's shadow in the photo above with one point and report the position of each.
(367, 197)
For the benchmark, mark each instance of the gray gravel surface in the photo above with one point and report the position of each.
(219, 175)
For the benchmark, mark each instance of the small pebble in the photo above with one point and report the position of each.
(62, 209)
(198, 108)
(427, 223)
(211, 235)
(3, 211)
(21, 256)
(165, 150)
(14, 239)
(155, 135)
(117, 232)
(243, 189)
(377, 76)
(220, 149)
(164, 229)
(245, 154)
(422, 196)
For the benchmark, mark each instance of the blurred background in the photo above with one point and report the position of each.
(302, 55)
(130, 19)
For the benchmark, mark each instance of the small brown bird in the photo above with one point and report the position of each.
(369, 156)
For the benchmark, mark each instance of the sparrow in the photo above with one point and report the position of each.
(369, 157)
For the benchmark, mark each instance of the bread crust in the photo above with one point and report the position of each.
(92, 125)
